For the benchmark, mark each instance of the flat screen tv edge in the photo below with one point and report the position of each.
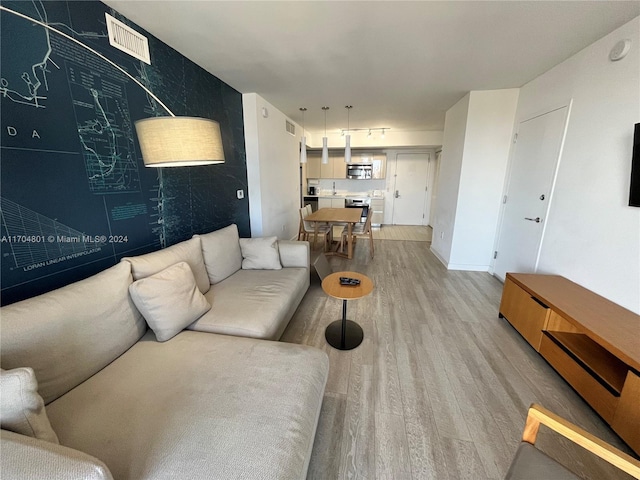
(634, 190)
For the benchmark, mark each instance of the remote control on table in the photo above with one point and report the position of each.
(352, 282)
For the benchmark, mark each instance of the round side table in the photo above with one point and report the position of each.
(345, 334)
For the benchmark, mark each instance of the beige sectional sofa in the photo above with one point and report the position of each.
(208, 401)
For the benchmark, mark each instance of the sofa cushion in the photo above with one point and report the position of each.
(189, 251)
(21, 408)
(169, 300)
(201, 405)
(221, 252)
(69, 334)
(260, 253)
(254, 303)
(28, 458)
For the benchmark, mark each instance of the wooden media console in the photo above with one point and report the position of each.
(590, 341)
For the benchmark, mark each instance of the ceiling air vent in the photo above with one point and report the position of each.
(127, 39)
(291, 128)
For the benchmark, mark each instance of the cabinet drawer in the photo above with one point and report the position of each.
(528, 316)
(600, 399)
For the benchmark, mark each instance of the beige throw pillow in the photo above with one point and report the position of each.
(221, 252)
(21, 407)
(260, 253)
(169, 300)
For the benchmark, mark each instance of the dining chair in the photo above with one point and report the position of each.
(308, 228)
(530, 462)
(359, 230)
(322, 266)
(301, 231)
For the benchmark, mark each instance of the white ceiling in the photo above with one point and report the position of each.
(400, 64)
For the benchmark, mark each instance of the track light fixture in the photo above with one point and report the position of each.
(369, 131)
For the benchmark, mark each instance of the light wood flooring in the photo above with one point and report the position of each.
(403, 232)
(440, 386)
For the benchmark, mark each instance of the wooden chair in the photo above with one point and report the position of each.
(301, 231)
(308, 228)
(529, 462)
(359, 230)
(323, 269)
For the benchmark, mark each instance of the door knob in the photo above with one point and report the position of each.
(397, 194)
(537, 219)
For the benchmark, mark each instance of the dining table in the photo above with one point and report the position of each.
(350, 216)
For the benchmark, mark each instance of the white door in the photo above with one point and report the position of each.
(410, 189)
(531, 178)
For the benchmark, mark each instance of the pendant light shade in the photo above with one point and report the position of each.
(303, 140)
(347, 139)
(325, 146)
(179, 141)
(325, 151)
(347, 149)
(303, 149)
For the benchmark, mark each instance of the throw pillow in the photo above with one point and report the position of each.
(221, 252)
(189, 251)
(21, 407)
(169, 300)
(260, 253)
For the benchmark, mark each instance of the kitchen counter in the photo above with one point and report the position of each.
(343, 195)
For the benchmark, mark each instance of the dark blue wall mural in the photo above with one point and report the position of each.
(75, 195)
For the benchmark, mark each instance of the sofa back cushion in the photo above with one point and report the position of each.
(221, 251)
(189, 251)
(71, 333)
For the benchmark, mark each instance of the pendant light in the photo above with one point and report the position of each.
(325, 147)
(303, 140)
(347, 139)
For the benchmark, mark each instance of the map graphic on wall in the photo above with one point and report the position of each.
(75, 195)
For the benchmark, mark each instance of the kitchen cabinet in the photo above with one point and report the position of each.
(336, 168)
(314, 160)
(330, 202)
(326, 169)
(361, 157)
(377, 207)
(379, 162)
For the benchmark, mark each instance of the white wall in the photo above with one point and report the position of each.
(273, 170)
(592, 236)
(490, 123)
(475, 153)
(455, 127)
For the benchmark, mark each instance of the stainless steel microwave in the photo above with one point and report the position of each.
(360, 171)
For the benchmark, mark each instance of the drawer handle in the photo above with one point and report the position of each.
(539, 302)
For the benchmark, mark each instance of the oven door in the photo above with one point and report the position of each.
(357, 203)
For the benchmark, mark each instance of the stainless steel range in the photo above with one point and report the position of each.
(359, 202)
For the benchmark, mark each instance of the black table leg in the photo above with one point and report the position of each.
(344, 334)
